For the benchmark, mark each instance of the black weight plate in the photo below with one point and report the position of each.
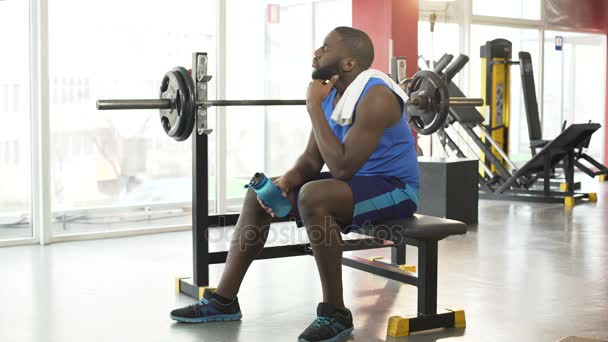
(172, 88)
(189, 111)
(429, 119)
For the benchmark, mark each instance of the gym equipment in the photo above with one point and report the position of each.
(534, 128)
(495, 81)
(270, 194)
(499, 178)
(180, 100)
(421, 231)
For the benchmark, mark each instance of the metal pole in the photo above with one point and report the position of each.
(200, 191)
(134, 104)
(483, 165)
(497, 148)
(466, 101)
(168, 104)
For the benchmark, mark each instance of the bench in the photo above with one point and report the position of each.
(424, 232)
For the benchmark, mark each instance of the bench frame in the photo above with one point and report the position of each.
(426, 282)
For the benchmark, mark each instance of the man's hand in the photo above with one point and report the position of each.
(318, 91)
(284, 185)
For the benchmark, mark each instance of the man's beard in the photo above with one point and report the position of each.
(325, 73)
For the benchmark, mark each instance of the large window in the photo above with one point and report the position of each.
(118, 170)
(522, 40)
(518, 9)
(575, 84)
(15, 179)
(271, 59)
(431, 46)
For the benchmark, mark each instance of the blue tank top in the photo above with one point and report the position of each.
(395, 154)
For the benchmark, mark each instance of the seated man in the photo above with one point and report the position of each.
(373, 176)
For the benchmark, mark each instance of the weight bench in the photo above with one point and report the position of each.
(423, 232)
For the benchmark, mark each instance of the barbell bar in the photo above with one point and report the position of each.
(426, 108)
(168, 104)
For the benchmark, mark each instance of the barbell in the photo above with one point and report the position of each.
(426, 108)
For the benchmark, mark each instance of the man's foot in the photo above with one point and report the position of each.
(331, 325)
(209, 309)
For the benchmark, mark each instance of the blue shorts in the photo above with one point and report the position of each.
(376, 199)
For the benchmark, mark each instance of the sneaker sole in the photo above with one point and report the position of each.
(215, 318)
(333, 339)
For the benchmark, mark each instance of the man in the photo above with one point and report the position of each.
(373, 177)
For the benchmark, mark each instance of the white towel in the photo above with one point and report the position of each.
(343, 113)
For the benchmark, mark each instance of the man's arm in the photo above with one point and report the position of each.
(308, 165)
(379, 109)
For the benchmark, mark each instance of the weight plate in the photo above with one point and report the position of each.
(189, 111)
(428, 117)
(172, 87)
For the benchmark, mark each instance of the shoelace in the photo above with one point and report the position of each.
(321, 321)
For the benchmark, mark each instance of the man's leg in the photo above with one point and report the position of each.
(321, 205)
(247, 242)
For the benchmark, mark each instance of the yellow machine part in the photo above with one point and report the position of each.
(499, 106)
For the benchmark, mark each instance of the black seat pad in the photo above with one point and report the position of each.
(419, 227)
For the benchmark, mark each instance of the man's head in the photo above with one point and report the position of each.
(345, 51)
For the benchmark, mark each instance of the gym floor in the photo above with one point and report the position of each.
(526, 272)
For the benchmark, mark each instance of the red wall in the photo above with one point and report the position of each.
(389, 19)
(606, 121)
(384, 20)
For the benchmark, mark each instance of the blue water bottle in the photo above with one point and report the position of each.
(270, 194)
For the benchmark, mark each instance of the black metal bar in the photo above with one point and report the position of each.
(586, 170)
(381, 269)
(223, 220)
(427, 278)
(267, 253)
(200, 210)
(200, 190)
(274, 252)
(421, 323)
(366, 243)
(398, 254)
(603, 170)
(569, 170)
(547, 174)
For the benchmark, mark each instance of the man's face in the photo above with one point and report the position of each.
(328, 58)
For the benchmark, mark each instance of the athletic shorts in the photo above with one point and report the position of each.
(376, 199)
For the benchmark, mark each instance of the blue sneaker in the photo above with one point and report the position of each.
(208, 309)
(331, 325)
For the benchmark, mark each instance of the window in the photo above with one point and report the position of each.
(271, 59)
(522, 40)
(575, 84)
(431, 46)
(15, 179)
(517, 9)
(115, 170)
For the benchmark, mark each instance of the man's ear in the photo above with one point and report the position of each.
(349, 64)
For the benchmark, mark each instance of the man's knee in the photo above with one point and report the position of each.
(310, 199)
